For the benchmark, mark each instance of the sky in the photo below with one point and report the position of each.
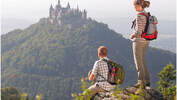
(97, 9)
(118, 14)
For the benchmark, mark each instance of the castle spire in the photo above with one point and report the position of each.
(77, 7)
(58, 7)
(51, 7)
(58, 2)
(68, 6)
(85, 14)
(51, 11)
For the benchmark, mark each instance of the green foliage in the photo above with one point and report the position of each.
(139, 94)
(84, 95)
(136, 96)
(39, 97)
(10, 93)
(81, 96)
(117, 91)
(167, 85)
(24, 96)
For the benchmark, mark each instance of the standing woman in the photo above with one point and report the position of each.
(140, 44)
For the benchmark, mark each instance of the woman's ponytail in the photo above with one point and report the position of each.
(143, 3)
(146, 4)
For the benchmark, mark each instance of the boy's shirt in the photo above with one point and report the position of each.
(100, 70)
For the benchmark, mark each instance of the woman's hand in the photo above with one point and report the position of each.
(133, 36)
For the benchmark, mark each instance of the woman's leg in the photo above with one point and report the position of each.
(137, 53)
(145, 68)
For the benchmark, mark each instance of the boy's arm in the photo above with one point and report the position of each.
(89, 73)
(91, 77)
(93, 72)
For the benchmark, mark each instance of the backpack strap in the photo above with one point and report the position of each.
(134, 21)
(133, 24)
(144, 14)
(147, 21)
(105, 60)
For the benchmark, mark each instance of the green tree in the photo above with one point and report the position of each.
(24, 96)
(10, 93)
(81, 96)
(39, 97)
(167, 85)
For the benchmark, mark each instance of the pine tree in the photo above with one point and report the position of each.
(10, 93)
(167, 85)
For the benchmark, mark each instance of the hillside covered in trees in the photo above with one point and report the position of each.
(50, 58)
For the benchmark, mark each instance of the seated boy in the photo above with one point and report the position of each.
(99, 73)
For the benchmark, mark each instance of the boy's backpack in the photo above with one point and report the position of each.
(150, 31)
(116, 73)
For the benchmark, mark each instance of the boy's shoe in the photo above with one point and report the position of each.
(94, 96)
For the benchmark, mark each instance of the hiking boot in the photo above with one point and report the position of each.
(138, 85)
(148, 84)
(148, 87)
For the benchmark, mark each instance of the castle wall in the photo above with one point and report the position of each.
(58, 14)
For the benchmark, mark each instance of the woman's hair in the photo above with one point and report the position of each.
(143, 3)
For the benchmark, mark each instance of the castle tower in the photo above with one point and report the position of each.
(51, 14)
(59, 4)
(68, 6)
(77, 8)
(51, 8)
(57, 14)
(51, 11)
(84, 14)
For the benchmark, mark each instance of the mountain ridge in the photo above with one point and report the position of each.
(50, 59)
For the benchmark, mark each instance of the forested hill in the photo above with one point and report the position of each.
(50, 59)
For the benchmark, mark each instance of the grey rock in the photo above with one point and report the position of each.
(143, 93)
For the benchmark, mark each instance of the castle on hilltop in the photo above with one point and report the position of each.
(61, 15)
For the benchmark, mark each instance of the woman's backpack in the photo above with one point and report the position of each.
(150, 31)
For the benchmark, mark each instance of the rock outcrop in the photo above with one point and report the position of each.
(131, 92)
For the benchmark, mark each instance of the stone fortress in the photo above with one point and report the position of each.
(63, 15)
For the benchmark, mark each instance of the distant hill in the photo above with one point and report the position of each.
(166, 40)
(166, 29)
(50, 58)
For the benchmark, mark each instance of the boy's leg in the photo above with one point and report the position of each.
(93, 90)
